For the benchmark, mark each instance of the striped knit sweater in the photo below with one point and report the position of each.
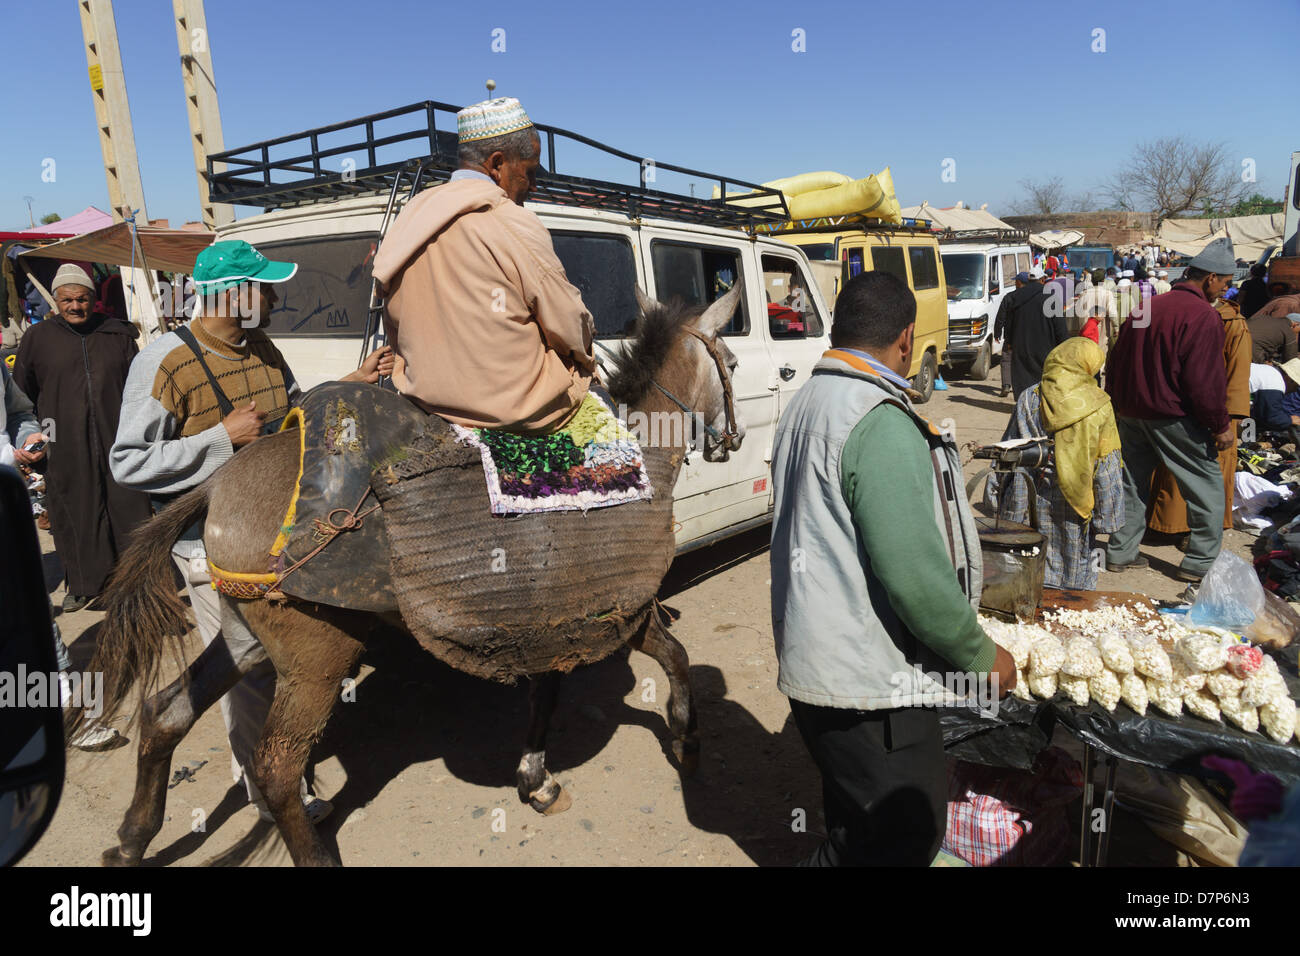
(170, 437)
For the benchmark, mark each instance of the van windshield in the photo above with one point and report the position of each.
(965, 274)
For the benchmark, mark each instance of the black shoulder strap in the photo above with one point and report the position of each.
(188, 338)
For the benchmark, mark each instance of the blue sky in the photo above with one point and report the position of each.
(1008, 90)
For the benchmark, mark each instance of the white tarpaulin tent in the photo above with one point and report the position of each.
(957, 218)
(1056, 238)
(1251, 235)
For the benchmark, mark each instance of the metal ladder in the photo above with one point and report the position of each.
(374, 336)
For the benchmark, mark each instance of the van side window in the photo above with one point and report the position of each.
(791, 311)
(994, 281)
(603, 269)
(925, 274)
(698, 275)
(1022, 262)
(889, 259)
(852, 265)
(329, 295)
(1009, 269)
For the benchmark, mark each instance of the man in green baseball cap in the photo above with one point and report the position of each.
(234, 280)
(192, 398)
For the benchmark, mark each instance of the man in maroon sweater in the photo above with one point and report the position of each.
(1167, 381)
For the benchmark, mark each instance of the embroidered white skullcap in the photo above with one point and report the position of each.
(491, 118)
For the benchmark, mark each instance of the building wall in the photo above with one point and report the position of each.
(1109, 228)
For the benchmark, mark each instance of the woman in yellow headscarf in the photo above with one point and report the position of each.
(1082, 494)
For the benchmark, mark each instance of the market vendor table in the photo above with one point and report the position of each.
(1022, 728)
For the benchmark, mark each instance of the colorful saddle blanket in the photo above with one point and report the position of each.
(592, 462)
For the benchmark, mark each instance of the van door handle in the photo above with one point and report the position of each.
(787, 373)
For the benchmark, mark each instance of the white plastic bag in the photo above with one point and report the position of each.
(1230, 596)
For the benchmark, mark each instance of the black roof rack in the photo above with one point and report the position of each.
(848, 222)
(984, 235)
(253, 178)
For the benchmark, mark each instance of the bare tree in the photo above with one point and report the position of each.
(1172, 175)
(1041, 198)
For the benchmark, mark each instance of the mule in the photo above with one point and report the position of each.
(675, 362)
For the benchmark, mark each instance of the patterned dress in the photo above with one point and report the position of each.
(1069, 540)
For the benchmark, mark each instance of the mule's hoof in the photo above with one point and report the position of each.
(561, 803)
(550, 798)
(113, 857)
(687, 754)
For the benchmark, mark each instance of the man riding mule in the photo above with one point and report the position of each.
(570, 587)
(488, 330)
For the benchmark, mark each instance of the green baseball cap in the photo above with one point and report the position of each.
(224, 265)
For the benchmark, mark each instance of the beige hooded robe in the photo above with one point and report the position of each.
(489, 331)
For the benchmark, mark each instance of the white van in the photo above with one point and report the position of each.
(319, 321)
(980, 270)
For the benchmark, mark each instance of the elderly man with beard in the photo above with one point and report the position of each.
(73, 367)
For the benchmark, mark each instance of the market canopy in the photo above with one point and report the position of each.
(172, 250)
(1056, 238)
(1251, 235)
(957, 218)
(88, 220)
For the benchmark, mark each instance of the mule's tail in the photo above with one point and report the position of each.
(145, 613)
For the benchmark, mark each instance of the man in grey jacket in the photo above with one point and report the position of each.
(876, 575)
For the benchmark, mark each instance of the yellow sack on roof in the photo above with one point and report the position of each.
(872, 197)
(825, 193)
(795, 185)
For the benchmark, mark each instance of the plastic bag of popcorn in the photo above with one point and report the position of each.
(1043, 685)
(1014, 644)
(1235, 712)
(1081, 658)
(1223, 683)
(1115, 653)
(1105, 689)
(1262, 687)
(1185, 677)
(1205, 651)
(1133, 691)
(1278, 718)
(1046, 656)
(1021, 690)
(1165, 697)
(1150, 659)
(1075, 688)
(1200, 703)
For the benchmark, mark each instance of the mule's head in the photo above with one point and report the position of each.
(707, 375)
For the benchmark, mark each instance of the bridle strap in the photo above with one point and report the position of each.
(730, 434)
(728, 437)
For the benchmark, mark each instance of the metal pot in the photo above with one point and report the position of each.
(1015, 558)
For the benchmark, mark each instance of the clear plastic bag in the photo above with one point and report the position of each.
(1230, 596)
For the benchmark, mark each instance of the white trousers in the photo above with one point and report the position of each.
(246, 705)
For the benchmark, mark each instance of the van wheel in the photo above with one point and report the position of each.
(979, 369)
(924, 381)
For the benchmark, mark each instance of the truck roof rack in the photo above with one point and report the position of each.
(253, 177)
(844, 223)
(984, 235)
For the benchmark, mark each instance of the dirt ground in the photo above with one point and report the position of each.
(420, 766)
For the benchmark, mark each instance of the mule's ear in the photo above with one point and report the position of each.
(645, 303)
(717, 315)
